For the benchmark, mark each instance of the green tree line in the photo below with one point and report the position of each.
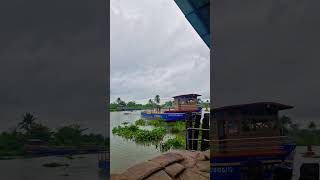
(12, 142)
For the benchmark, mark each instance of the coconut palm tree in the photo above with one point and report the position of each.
(150, 102)
(119, 100)
(157, 101)
(27, 122)
(312, 125)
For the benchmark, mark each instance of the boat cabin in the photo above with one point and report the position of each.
(187, 102)
(247, 125)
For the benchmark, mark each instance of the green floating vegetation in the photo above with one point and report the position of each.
(125, 123)
(177, 142)
(157, 123)
(178, 127)
(140, 122)
(142, 135)
(175, 127)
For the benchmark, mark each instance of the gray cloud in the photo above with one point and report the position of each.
(154, 50)
(53, 62)
(268, 51)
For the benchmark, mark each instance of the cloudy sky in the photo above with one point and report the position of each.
(154, 50)
(53, 62)
(268, 51)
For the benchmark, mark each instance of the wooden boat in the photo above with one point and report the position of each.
(248, 134)
(182, 105)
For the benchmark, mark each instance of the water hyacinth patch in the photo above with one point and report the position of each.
(157, 123)
(177, 142)
(133, 132)
(178, 127)
(140, 122)
(175, 127)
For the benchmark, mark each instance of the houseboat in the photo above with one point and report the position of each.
(246, 141)
(182, 104)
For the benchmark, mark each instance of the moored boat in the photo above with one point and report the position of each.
(182, 105)
(247, 141)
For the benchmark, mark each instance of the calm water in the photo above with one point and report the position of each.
(125, 153)
(82, 167)
(298, 159)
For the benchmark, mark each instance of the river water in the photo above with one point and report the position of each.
(82, 167)
(125, 153)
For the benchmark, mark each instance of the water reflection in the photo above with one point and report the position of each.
(125, 153)
(81, 167)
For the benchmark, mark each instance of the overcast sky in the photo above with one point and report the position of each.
(53, 62)
(268, 51)
(154, 50)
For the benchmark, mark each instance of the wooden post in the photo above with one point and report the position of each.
(196, 132)
(188, 133)
(205, 134)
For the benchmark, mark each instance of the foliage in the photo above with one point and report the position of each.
(12, 143)
(27, 122)
(175, 127)
(157, 123)
(130, 105)
(118, 100)
(133, 132)
(68, 135)
(153, 135)
(140, 122)
(113, 106)
(157, 99)
(125, 123)
(178, 127)
(167, 104)
(204, 104)
(306, 137)
(312, 126)
(38, 131)
(151, 104)
(177, 142)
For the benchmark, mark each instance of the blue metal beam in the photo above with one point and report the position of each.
(197, 13)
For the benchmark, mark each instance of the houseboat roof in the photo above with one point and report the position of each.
(254, 106)
(187, 96)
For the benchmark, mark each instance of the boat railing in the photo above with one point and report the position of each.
(104, 161)
(252, 143)
(197, 132)
(104, 156)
